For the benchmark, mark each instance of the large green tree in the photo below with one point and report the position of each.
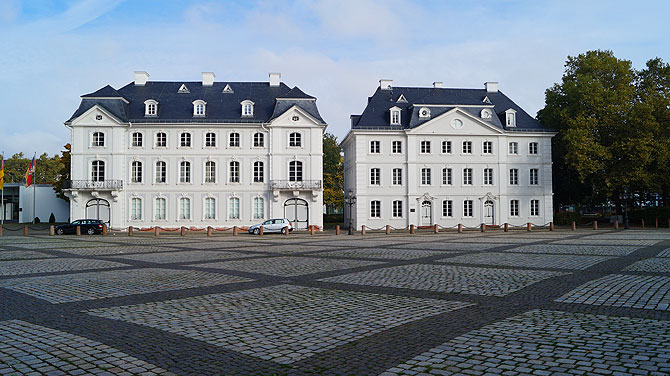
(333, 173)
(47, 169)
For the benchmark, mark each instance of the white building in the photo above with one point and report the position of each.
(18, 203)
(445, 156)
(197, 154)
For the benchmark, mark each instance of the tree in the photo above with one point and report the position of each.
(333, 173)
(63, 172)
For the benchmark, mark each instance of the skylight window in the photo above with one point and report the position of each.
(183, 89)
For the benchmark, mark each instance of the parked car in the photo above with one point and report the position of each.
(272, 225)
(88, 226)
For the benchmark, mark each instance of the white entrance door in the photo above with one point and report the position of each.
(488, 212)
(426, 213)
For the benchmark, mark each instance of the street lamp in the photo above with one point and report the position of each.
(350, 200)
(626, 223)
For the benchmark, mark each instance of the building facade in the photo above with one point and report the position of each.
(18, 204)
(435, 155)
(197, 154)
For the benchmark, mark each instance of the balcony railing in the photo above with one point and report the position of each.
(111, 185)
(295, 185)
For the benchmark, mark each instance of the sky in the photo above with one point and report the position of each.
(54, 51)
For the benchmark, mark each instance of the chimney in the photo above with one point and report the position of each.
(491, 87)
(437, 84)
(385, 84)
(275, 79)
(207, 78)
(141, 78)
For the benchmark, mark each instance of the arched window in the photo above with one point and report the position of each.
(150, 107)
(259, 208)
(98, 171)
(136, 208)
(234, 172)
(234, 208)
(98, 139)
(210, 172)
(185, 172)
(295, 171)
(210, 208)
(136, 172)
(184, 208)
(295, 140)
(247, 108)
(259, 140)
(160, 208)
(259, 173)
(199, 107)
(161, 172)
(234, 140)
(210, 139)
(161, 140)
(137, 139)
(185, 140)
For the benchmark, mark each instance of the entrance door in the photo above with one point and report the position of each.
(426, 213)
(98, 208)
(488, 212)
(296, 210)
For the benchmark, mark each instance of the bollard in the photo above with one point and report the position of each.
(529, 227)
(182, 230)
(25, 230)
(668, 222)
(574, 226)
(595, 225)
(656, 222)
(260, 230)
(460, 228)
(436, 229)
(411, 229)
(130, 230)
(234, 230)
(0, 230)
(616, 224)
(104, 230)
(642, 222)
(157, 230)
(551, 226)
(286, 231)
(506, 227)
(311, 229)
(209, 231)
(388, 230)
(482, 227)
(337, 229)
(52, 230)
(363, 230)
(78, 230)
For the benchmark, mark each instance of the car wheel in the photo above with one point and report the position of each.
(283, 230)
(257, 231)
(59, 231)
(90, 231)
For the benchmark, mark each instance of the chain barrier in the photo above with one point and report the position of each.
(9, 229)
(446, 228)
(375, 229)
(399, 228)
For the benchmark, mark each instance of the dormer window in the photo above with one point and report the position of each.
(247, 108)
(510, 118)
(395, 115)
(150, 107)
(486, 114)
(199, 107)
(424, 113)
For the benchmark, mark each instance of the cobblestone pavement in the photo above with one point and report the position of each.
(518, 303)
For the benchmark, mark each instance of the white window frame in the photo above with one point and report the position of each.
(137, 140)
(447, 208)
(150, 108)
(135, 209)
(487, 147)
(446, 147)
(534, 208)
(184, 212)
(467, 176)
(247, 108)
(466, 150)
(298, 174)
(376, 176)
(210, 172)
(210, 139)
(375, 147)
(258, 140)
(255, 206)
(425, 147)
(259, 172)
(234, 172)
(488, 176)
(295, 140)
(157, 139)
(514, 208)
(447, 176)
(533, 148)
(468, 209)
(426, 176)
(394, 115)
(234, 207)
(185, 172)
(396, 147)
(157, 209)
(98, 170)
(234, 140)
(534, 176)
(375, 209)
(396, 178)
(98, 139)
(513, 176)
(136, 172)
(199, 108)
(396, 209)
(185, 140)
(158, 174)
(513, 148)
(209, 208)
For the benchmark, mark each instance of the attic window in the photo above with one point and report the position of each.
(199, 108)
(401, 99)
(227, 89)
(247, 108)
(150, 107)
(395, 116)
(486, 114)
(486, 100)
(424, 113)
(183, 89)
(510, 118)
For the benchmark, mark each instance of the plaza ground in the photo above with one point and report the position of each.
(518, 303)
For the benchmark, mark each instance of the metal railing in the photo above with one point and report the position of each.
(293, 185)
(112, 185)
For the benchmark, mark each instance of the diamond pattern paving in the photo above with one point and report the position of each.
(53, 265)
(564, 249)
(22, 255)
(384, 253)
(652, 265)
(281, 323)
(287, 266)
(529, 261)
(184, 256)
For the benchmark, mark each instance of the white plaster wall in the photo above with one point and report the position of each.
(46, 202)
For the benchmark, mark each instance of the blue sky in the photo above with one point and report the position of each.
(336, 50)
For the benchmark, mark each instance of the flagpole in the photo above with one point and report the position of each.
(34, 187)
(2, 200)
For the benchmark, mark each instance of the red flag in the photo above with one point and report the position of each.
(30, 172)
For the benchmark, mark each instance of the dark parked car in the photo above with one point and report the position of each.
(88, 226)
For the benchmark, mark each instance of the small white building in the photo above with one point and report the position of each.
(434, 155)
(18, 203)
(199, 154)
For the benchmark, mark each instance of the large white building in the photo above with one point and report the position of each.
(197, 154)
(434, 155)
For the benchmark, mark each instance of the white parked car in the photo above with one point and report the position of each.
(272, 225)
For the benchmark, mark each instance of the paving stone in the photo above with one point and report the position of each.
(576, 249)
(21, 255)
(53, 265)
(182, 257)
(288, 266)
(653, 265)
(384, 253)
(529, 260)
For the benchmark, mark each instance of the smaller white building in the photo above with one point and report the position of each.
(18, 203)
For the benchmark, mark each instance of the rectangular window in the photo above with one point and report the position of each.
(397, 209)
(375, 178)
(488, 176)
(447, 208)
(446, 147)
(396, 147)
(534, 180)
(425, 176)
(136, 172)
(186, 140)
(161, 140)
(532, 148)
(534, 207)
(514, 208)
(487, 147)
(467, 147)
(395, 117)
(137, 139)
(161, 172)
(210, 172)
(98, 171)
(234, 176)
(259, 140)
(375, 147)
(160, 208)
(210, 208)
(375, 209)
(514, 148)
(98, 139)
(259, 172)
(259, 208)
(185, 172)
(295, 171)
(467, 208)
(184, 208)
(397, 176)
(425, 147)
(447, 176)
(210, 140)
(234, 140)
(234, 208)
(514, 176)
(136, 209)
(467, 176)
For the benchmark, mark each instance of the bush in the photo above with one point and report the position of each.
(333, 218)
(52, 218)
(650, 215)
(566, 218)
(37, 220)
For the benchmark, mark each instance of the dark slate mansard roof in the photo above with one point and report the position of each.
(376, 114)
(127, 104)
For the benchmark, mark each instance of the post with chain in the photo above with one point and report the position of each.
(130, 230)
(595, 225)
(411, 229)
(435, 229)
(157, 230)
(52, 230)
(506, 227)
(551, 226)
(616, 224)
(234, 230)
(25, 230)
(482, 227)
(78, 230)
(337, 229)
(574, 226)
(182, 231)
(388, 230)
(104, 230)
(363, 230)
(209, 231)
(460, 228)
(529, 227)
